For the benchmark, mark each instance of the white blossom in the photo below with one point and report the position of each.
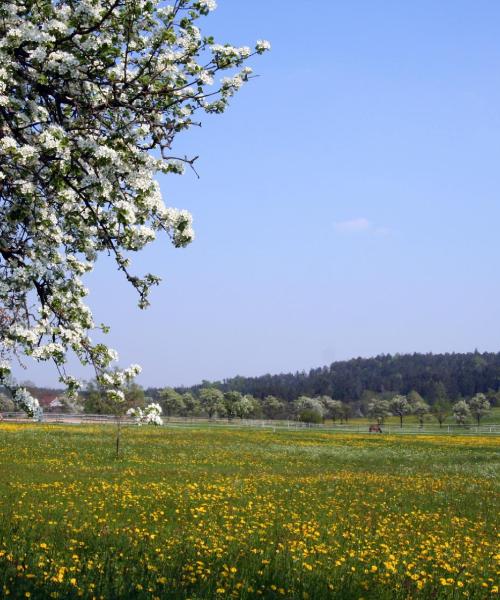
(262, 46)
(208, 4)
(4, 367)
(116, 396)
(26, 402)
(150, 415)
(82, 139)
(206, 77)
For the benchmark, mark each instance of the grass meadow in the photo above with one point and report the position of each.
(216, 513)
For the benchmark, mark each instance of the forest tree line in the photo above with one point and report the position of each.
(429, 384)
(433, 376)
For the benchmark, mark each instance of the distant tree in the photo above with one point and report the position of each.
(493, 397)
(479, 406)
(366, 397)
(413, 398)
(310, 415)
(243, 407)
(420, 410)
(171, 401)
(399, 406)
(461, 412)
(333, 409)
(250, 406)
(212, 400)
(273, 407)
(347, 411)
(134, 396)
(191, 404)
(256, 411)
(440, 410)
(309, 410)
(71, 404)
(379, 409)
(96, 400)
(230, 402)
(6, 404)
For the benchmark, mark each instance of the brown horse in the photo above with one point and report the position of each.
(375, 429)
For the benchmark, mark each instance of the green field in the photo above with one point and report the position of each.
(213, 513)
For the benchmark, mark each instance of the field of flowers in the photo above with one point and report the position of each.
(212, 513)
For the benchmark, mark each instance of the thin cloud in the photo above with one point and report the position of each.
(360, 225)
(354, 225)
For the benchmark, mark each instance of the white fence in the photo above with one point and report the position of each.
(427, 429)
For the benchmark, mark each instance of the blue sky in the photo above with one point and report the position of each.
(348, 202)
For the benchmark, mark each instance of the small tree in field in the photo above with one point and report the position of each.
(93, 94)
(6, 404)
(479, 406)
(212, 401)
(244, 407)
(414, 397)
(97, 401)
(346, 412)
(461, 412)
(379, 410)
(230, 402)
(421, 410)
(256, 411)
(309, 410)
(440, 411)
(171, 402)
(116, 383)
(273, 407)
(191, 404)
(399, 406)
(334, 409)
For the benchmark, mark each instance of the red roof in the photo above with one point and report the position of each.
(47, 398)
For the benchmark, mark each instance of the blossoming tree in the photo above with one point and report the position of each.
(92, 96)
(399, 406)
(479, 406)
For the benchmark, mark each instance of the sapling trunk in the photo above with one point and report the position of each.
(118, 432)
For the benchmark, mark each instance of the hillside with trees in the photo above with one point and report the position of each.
(461, 387)
(435, 377)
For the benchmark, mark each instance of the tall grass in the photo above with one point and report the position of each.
(214, 513)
